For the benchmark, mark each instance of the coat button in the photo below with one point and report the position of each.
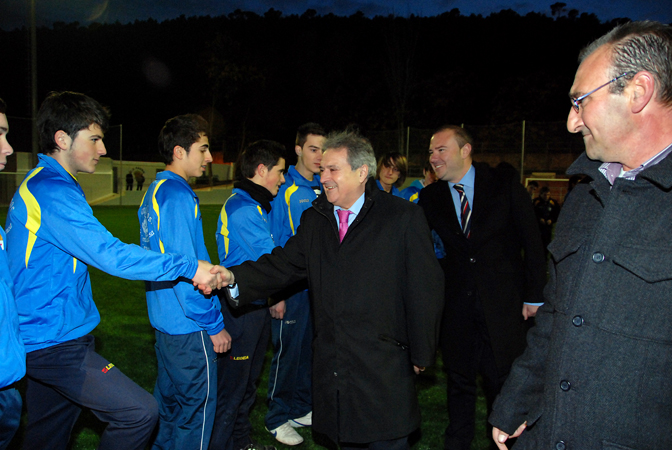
(598, 257)
(560, 445)
(335, 374)
(577, 321)
(472, 260)
(565, 385)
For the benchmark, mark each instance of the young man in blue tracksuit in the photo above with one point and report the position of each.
(52, 238)
(244, 233)
(189, 326)
(289, 383)
(13, 361)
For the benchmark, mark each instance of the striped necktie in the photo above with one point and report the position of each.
(465, 218)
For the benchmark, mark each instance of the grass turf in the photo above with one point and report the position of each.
(126, 339)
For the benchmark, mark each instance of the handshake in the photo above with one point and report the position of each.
(210, 277)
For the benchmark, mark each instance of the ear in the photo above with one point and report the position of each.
(298, 150)
(643, 90)
(178, 152)
(465, 151)
(261, 170)
(62, 140)
(363, 173)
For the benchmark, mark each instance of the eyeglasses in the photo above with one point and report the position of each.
(576, 102)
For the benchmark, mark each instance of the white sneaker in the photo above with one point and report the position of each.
(286, 434)
(305, 421)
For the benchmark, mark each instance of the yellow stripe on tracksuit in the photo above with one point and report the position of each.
(288, 193)
(155, 206)
(34, 213)
(225, 226)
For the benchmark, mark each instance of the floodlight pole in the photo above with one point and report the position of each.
(522, 156)
(33, 78)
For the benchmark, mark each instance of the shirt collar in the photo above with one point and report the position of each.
(613, 170)
(356, 207)
(468, 178)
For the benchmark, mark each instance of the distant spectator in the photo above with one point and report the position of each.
(532, 188)
(547, 210)
(391, 173)
(129, 181)
(139, 179)
(428, 177)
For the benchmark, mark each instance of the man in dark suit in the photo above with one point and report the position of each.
(377, 295)
(494, 273)
(596, 372)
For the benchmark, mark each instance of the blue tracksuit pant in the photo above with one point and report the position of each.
(66, 377)
(186, 391)
(289, 380)
(238, 371)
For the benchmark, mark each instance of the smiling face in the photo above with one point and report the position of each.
(197, 160)
(602, 117)
(342, 185)
(82, 153)
(450, 162)
(5, 148)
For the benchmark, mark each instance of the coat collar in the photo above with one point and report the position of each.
(659, 174)
(371, 192)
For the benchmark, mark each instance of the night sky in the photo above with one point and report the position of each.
(14, 13)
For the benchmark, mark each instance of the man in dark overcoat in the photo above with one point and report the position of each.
(597, 370)
(377, 293)
(494, 272)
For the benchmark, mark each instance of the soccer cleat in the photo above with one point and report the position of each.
(305, 421)
(286, 434)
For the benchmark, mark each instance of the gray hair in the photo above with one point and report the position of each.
(359, 150)
(639, 46)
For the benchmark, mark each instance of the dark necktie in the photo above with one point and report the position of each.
(465, 218)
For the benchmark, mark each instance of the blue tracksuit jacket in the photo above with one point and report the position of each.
(412, 192)
(13, 360)
(170, 220)
(294, 197)
(52, 236)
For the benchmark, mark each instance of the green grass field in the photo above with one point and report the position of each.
(126, 338)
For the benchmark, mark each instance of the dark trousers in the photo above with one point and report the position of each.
(66, 377)
(289, 380)
(462, 372)
(237, 373)
(393, 444)
(10, 414)
(186, 390)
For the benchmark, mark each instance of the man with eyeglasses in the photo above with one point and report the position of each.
(596, 372)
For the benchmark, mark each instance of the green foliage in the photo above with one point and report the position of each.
(126, 338)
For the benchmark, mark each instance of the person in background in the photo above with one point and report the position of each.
(412, 193)
(391, 173)
(494, 273)
(547, 211)
(244, 234)
(290, 401)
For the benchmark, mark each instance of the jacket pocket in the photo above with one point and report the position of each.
(638, 301)
(391, 340)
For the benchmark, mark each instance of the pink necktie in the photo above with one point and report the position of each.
(342, 222)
